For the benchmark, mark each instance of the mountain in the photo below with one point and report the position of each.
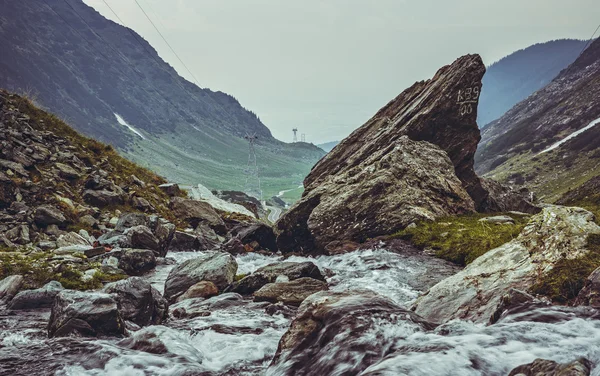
(516, 76)
(327, 146)
(109, 83)
(549, 142)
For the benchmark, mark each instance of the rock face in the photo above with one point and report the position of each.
(269, 274)
(590, 294)
(87, 314)
(216, 267)
(329, 334)
(138, 301)
(413, 160)
(10, 286)
(526, 132)
(475, 293)
(292, 293)
(38, 298)
(543, 367)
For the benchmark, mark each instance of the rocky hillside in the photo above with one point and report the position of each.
(110, 84)
(70, 203)
(413, 160)
(516, 76)
(549, 142)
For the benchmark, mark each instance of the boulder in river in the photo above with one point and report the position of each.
(202, 289)
(342, 333)
(38, 298)
(136, 261)
(217, 267)
(195, 307)
(475, 293)
(141, 237)
(543, 367)
(87, 314)
(269, 274)
(138, 301)
(292, 293)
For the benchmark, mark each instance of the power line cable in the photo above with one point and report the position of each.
(168, 44)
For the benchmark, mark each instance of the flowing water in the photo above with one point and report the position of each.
(241, 338)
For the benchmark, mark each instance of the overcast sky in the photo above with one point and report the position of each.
(326, 66)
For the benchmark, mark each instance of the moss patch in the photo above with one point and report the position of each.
(462, 239)
(567, 278)
(37, 271)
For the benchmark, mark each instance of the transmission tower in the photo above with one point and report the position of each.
(303, 137)
(295, 130)
(252, 187)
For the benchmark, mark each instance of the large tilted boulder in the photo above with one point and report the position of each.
(476, 292)
(402, 183)
(291, 293)
(269, 274)
(412, 160)
(86, 314)
(216, 267)
(258, 235)
(543, 367)
(138, 301)
(342, 333)
(38, 298)
(48, 215)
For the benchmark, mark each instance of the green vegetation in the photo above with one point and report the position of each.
(239, 277)
(37, 271)
(94, 153)
(567, 278)
(463, 238)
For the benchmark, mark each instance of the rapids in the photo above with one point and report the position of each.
(241, 339)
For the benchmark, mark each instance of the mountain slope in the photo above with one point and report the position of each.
(516, 76)
(88, 69)
(550, 141)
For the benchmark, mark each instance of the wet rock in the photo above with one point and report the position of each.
(138, 301)
(78, 313)
(202, 289)
(165, 341)
(198, 307)
(49, 215)
(184, 242)
(194, 212)
(217, 267)
(590, 294)
(292, 293)
(38, 298)
(269, 274)
(142, 238)
(102, 198)
(498, 219)
(515, 301)
(136, 261)
(475, 292)
(10, 286)
(543, 367)
(260, 233)
(335, 332)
